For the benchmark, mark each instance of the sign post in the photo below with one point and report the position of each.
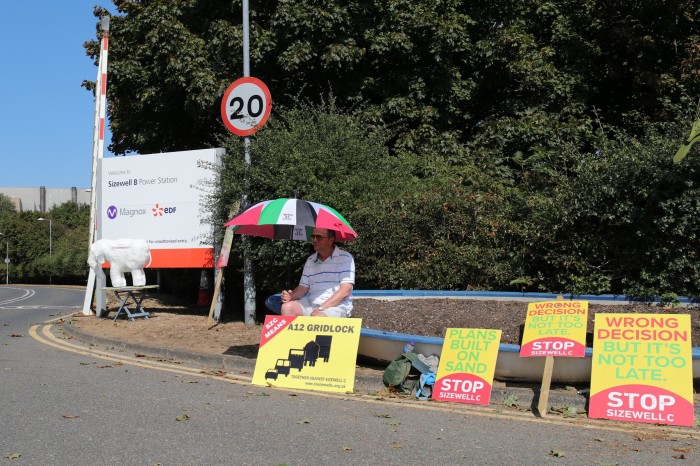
(215, 308)
(554, 328)
(245, 108)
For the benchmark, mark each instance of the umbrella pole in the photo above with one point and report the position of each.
(289, 266)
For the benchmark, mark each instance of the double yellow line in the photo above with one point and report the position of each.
(43, 334)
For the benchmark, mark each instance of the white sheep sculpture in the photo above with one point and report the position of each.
(123, 255)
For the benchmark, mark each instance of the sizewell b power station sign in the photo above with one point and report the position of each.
(163, 199)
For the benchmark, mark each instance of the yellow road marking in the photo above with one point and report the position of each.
(43, 334)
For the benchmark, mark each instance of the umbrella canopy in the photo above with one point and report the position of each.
(289, 218)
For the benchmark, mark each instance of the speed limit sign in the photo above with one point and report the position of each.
(246, 106)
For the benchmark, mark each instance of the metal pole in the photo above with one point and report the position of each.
(50, 249)
(246, 40)
(248, 276)
(7, 262)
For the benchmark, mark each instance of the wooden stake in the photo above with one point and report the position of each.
(546, 380)
(215, 297)
(225, 251)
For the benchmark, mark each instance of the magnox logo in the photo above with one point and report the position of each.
(159, 211)
(112, 212)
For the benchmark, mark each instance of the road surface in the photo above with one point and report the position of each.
(68, 403)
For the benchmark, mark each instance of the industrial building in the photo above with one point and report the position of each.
(43, 199)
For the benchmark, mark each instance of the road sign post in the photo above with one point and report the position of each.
(245, 108)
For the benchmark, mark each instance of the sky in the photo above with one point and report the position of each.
(46, 117)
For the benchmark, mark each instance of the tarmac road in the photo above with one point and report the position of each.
(67, 402)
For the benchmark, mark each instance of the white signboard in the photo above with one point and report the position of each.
(161, 198)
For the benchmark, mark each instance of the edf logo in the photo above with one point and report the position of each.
(158, 211)
(112, 212)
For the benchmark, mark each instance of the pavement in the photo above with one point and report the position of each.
(368, 378)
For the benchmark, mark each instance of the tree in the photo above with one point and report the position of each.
(447, 67)
(70, 245)
(512, 127)
(6, 204)
(318, 153)
(643, 206)
(35, 256)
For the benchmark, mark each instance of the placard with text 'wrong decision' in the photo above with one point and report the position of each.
(555, 328)
(642, 369)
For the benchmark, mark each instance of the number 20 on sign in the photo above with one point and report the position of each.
(246, 106)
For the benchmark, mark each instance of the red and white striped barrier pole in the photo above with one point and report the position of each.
(98, 144)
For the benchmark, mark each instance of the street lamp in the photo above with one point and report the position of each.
(42, 219)
(7, 260)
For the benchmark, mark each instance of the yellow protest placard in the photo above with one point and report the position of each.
(312, 353)
(642, 369)
(555, 328)
(467, 365)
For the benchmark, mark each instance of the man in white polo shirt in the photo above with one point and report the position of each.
(325, 288)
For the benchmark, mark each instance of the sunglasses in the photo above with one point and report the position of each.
(318, 237)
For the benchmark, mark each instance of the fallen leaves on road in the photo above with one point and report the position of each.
(13, 456)
(16, 335)
(218, 373)
(119, 363)
(642, 436)
(70, 416)
(557, 453)
(182, 417)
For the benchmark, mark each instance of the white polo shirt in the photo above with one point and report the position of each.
(323, 278)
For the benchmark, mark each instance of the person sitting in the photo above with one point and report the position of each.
(325, 288)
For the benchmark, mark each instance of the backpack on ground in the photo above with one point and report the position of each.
(425, 389)
(397, 371)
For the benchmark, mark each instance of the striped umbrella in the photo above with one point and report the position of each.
(289, 218)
